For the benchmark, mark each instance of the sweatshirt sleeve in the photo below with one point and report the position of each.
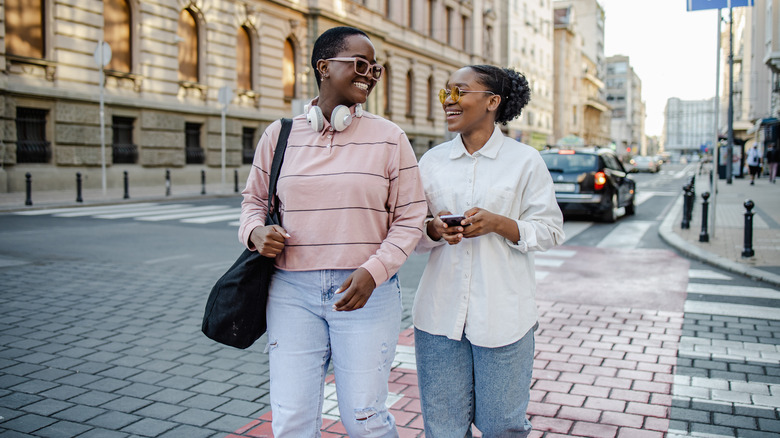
(254, 205)
(407, 207)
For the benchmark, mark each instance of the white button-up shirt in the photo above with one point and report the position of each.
(485, 286)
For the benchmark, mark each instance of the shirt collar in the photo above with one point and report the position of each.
(489, 150)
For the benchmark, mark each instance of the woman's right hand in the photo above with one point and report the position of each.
(437, 229)
(269, 240)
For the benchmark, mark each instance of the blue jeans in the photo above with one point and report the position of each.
(461, 384)
(305, 334)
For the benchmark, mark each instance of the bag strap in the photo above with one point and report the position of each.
(281, 145)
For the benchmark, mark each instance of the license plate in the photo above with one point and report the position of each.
(564, 187)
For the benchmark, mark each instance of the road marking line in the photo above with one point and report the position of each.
(706, 274)
(119, 210)
(729, 309)
(627, 235)
(210, 219)
(733, 291)
(80, 209)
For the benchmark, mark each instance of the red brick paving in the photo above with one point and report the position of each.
(599, 372)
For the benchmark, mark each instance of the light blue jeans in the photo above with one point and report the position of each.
(305, 334)
(461, 384)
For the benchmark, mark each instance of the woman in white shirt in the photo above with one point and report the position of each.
(474, 312)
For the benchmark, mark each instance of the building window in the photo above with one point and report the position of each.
(410, 14)
(388, 81)
(464, 25)
(389, 8)
(24, 28)
(188, 47)
(244, 59)
(409, 94)
(489, 41)
(194, 152)
(448, 25)
(431, 97)
(288, 69)
(123, 149)
(431, 18)
(248, 145)
(117, 33)
(31, 144)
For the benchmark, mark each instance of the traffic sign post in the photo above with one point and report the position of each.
(102, 58)
(224, 97)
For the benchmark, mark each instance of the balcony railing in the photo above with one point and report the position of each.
(125, 153)
(33, 151)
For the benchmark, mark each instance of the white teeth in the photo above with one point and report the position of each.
(453, 113)
(360, 85)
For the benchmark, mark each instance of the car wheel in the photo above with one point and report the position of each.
(610, 215)
(630, 208)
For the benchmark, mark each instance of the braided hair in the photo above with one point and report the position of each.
(511, 85)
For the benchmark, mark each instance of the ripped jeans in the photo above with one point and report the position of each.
(305, 334)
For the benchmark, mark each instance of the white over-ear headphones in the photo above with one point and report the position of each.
(340, 118)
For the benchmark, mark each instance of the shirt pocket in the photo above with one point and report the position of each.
(499, 201)
(443, 199)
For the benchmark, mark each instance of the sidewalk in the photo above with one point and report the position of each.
(727, 236)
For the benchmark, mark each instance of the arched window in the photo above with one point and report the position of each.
(409, 94)
(387, 78)
(24, 28)
(117, 33)
(188, 46)
(288, 69)
(432, 99)
(243, 59)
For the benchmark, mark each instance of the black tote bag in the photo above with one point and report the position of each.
(235, 309)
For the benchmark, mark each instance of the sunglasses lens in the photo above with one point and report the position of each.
(361, 67)
(455, 94)
(442, 95)
(376, 72)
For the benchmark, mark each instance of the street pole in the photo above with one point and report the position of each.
(730, 165)
(102, 120)
(716, 152)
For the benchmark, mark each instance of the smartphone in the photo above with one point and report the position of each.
(453, 220)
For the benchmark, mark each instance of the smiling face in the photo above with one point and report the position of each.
(473, 110)
(341, 84)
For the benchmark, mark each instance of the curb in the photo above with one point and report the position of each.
(103, 202)
(673, 239)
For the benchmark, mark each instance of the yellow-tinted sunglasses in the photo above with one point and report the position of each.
(455, 93)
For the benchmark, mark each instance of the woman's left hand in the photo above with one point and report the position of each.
(358, 287)
(482, 222)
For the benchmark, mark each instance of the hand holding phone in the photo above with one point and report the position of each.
(453, 220)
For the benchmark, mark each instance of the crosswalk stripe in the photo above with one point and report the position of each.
(100, 209)
(211, 219)
(706, 274)
(126, 208)
(730, 309)
(626, 235)
(733, 291)
(548, 262)
(137, 214)
(191, 212)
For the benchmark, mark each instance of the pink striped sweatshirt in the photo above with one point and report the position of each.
(348, 199)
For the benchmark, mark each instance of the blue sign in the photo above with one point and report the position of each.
(698, 5)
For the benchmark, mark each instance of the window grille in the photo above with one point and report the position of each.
(194, 152)
(124, 151)
(31, 144)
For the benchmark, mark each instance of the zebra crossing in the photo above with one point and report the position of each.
(148, 212)
(727, 379)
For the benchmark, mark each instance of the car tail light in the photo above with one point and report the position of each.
(599, 180)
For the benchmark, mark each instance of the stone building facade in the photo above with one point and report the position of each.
(174, 62)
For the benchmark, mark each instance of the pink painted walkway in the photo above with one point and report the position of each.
(599, 372)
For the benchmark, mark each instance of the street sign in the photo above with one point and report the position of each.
(698, 5)
(102, 54)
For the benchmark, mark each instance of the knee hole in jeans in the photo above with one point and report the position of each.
(364, 414)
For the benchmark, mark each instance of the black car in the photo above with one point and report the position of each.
(590, 181)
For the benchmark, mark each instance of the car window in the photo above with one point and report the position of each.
(571, 162)
(611, 162)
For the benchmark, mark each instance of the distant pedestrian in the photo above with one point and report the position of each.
(474, 311)
(772, 158)
(754, 163)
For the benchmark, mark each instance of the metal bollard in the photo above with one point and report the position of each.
(704, 236)
(202, 182)
(28, 184)
(78, 187)
(167, 182)
(235, 180)
(687, 207)
(127, 186)
(747, 251)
